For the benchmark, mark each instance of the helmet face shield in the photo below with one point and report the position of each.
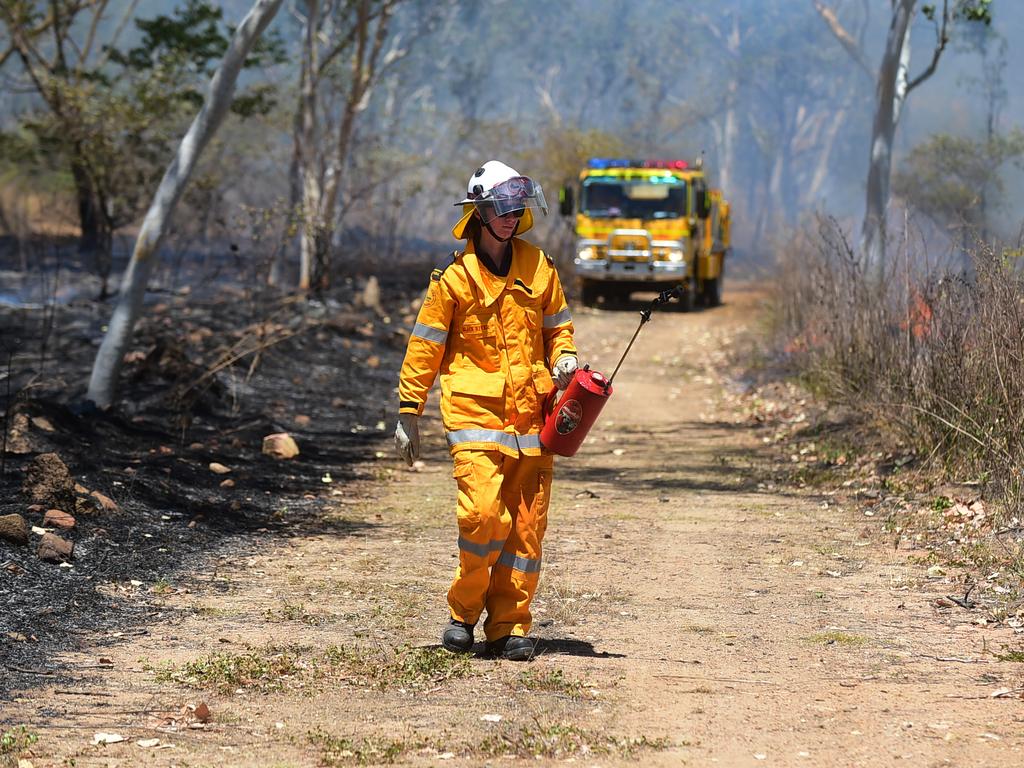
(510, 196)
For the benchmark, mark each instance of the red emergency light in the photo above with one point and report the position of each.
(676, 165)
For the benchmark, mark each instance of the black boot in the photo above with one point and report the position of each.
(512, 647)
(458, 637)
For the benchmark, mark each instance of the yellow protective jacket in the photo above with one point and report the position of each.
(493, 340)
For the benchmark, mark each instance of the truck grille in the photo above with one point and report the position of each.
(628, 248)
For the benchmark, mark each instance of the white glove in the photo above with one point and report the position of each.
(564, 370)
(407, 437)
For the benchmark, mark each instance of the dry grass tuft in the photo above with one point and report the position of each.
(934, 356)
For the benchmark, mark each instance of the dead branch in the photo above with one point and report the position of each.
(845, 39)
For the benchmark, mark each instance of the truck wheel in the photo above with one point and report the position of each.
(620, 295)
(588, 293)
(686, 297)
(711, 294)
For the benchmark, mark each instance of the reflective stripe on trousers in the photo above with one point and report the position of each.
(502, 515)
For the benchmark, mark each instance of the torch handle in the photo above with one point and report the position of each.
(645, 314)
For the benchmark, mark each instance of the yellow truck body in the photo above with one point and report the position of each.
(647, 225)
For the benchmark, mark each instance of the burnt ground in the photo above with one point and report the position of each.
(194, 390)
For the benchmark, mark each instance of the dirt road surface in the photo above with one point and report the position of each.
(689, 614)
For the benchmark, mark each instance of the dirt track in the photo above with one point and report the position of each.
(687, 615)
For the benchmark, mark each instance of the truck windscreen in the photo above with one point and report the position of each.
(642, 199)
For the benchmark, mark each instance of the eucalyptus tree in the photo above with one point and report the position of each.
(894, 85)
(107, 112)
(346, 45)
(216, 105)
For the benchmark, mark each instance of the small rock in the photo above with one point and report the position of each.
(54, 549)
(105, 502)
(371, 295)
(43, 423)
(48, 480)
(17, 437)
(303, 420)
(14, 528)
(228, 483)
(280, 445)
(218, 468)
(58, 518)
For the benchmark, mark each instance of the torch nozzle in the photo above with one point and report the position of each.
(645, 314)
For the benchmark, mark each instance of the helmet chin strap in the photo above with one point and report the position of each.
(501, 239)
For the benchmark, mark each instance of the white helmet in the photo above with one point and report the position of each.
(496, 189)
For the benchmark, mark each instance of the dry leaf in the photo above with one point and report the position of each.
(107, 738)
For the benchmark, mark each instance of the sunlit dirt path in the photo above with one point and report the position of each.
(689, 614)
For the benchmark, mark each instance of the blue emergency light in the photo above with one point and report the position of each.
(603, 163)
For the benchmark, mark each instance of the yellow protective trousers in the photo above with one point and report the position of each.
(503, 513)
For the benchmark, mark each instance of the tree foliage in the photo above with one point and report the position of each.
(948, 178)
(110, 114)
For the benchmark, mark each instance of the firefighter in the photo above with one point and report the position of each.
(495, 325)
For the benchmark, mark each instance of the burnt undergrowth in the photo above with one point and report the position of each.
(211, 372)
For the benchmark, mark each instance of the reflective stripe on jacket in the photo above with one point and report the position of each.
(493, 340)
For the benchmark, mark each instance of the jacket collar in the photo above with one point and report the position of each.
(490, 287)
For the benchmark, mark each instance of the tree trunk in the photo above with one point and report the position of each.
(730, 127)
(96, 240)
(306, 143)
(890, 94)
(88, 215)
(219, 95)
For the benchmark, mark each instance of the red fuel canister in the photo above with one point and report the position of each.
(571, 418)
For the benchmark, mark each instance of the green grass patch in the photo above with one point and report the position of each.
(272, 668)
(296, 612)
(403, 667)
(16, 740)
(697, 629)
(562, 741)
(838, 638)
(337, 750)
(1008, 655)
(550, 681)
(265, 670)
(213, 612)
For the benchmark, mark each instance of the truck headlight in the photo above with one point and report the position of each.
(586, 252)
(675, 254)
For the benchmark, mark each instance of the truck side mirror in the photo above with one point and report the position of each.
(566, 203)
(701, 203)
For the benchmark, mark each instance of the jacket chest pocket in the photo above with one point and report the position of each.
(477, 344)
(479, 327)
(523, 311)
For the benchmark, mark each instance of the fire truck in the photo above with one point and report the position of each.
(646, 225)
